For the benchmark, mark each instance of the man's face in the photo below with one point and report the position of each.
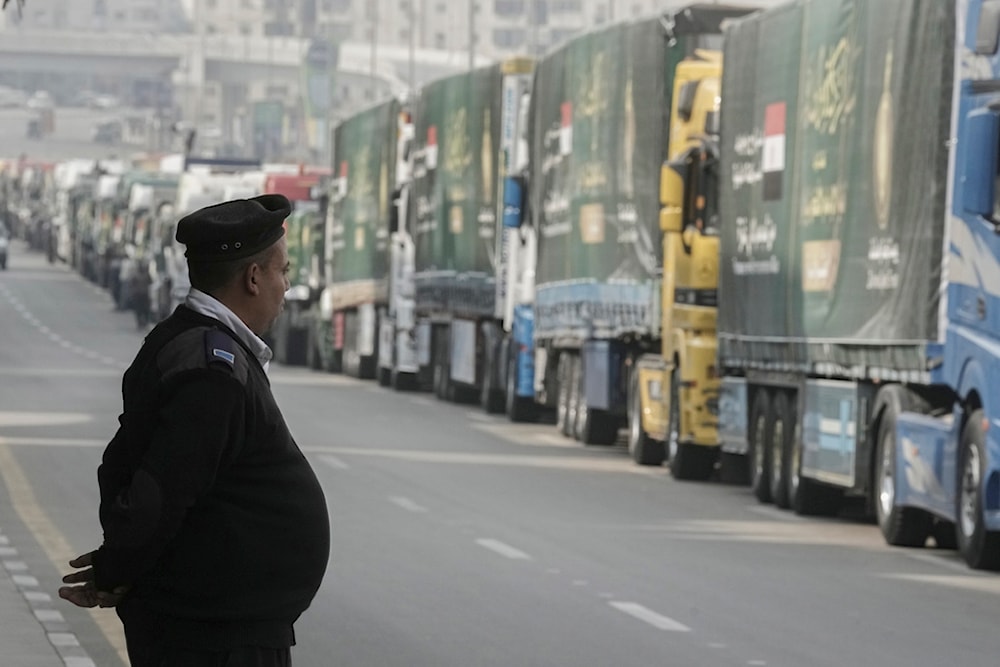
(274, 283)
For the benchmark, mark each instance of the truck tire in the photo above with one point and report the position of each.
(489, 398)
(807, 496)
(900, 526)
(564, 376)
(781, 440)
(979, 548)
(518, 408)
(757, 453)
(688, 461)
(644, 450)
(573, 404)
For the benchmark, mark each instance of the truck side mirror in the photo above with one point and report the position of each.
(979, 168)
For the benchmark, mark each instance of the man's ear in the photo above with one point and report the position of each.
(251, 279)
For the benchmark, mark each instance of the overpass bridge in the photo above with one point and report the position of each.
(215, 79)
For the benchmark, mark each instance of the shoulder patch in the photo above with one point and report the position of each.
(220, 348)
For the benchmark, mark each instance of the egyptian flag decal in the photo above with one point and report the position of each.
(566, 128)
(431, 159)
(774, 150)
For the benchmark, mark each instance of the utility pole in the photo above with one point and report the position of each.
(472, 34)
(374, 54)
(413, 45)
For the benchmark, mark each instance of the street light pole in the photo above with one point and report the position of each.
(374, 54)
(472, 35)
(413, 46)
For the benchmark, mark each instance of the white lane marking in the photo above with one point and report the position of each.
(658, 621)
(15, 565)
(52, 442)
(581, 582)
(49, 616)
(407, 504)
(8, 551)
(24, 580)
(34, 418)
(524, 435)
(505, 550)
(478, 417)
(594, 463)
(63, 639)
(716, 645)
(757, 663)
(37, 596)
(76, 661)
(4, 540)
(334, 462)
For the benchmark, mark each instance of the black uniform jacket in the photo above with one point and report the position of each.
(211, 513)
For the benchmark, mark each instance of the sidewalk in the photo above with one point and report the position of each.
(33, 632)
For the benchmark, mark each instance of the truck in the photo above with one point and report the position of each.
(201, 182)
(859, 306)
(621, 314)
(289, 335)
(355, 254)
(453, 214)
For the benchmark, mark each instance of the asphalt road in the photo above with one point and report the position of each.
(460, 540)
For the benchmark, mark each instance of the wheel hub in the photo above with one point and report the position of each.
(887, 483)
(970, 493)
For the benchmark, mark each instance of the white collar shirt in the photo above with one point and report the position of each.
(207, 305)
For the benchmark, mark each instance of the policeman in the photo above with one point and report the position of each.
(216, 533)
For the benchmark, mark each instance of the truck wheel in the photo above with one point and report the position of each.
(944, 534)
(489, 398)
(577, 402)
(733, 469)
(644, 450)
(687, 461)
(900, 526)
(808, 497)
(518, 408)
(384, 376)
(781, 441)
(564, 374)
(979, 548)
(760, 463)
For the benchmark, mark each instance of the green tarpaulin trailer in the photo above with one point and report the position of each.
(835, 124)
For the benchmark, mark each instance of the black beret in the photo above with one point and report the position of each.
(233, 229)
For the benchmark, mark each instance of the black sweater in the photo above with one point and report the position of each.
(211, 513)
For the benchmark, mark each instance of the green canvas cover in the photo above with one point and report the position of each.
(598, 134)
(361, 197)
(453, 216)
(835, 123)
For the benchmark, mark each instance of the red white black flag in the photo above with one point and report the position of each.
(773, 161)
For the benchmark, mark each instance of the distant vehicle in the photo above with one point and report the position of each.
(12, 98)
(40, 99)
(104, 102)
(107, 132)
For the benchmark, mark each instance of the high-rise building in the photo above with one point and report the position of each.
(99, 15)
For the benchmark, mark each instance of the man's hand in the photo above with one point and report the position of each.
(85, 594)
